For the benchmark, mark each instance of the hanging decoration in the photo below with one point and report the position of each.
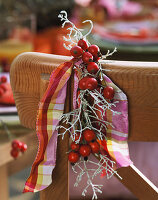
(97, 125)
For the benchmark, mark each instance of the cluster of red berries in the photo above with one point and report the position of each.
(85, 147)
(90, 56)
(17, 147)
(3, 79)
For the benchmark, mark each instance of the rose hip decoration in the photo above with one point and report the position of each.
(95, 147)
(91, 83)
(108, 92)
(85, 150)
(87, 57)
(14, 153)
(75, 146)
(82, 83)
(76, 51)
(93, 49)
(89, 135)
(17, 146)
(92, 68)
(23, 147)
(73, 157)
(83, 44)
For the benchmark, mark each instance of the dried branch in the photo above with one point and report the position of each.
(75, 34)
(81, 169)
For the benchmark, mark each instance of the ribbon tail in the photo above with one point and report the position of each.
(117, 135)
(51, 108)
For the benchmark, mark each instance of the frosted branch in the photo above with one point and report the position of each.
(81, 169)
(74, 34)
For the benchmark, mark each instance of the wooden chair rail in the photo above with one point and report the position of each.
(137, 183)
(137, 79)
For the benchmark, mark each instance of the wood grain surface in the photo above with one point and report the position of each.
(4, 190)
(137, 79)
(137, 183)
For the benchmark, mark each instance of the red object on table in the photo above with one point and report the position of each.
(51, 41)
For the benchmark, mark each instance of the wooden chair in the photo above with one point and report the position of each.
(139, 80)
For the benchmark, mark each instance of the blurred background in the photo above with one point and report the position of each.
(33, 25)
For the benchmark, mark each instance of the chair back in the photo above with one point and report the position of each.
(139, 80)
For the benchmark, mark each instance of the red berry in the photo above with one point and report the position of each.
(91, 83)
(14, 153)
(85, 150)
(95, 147)
(108, 92)
(23, 147)
(93, 49)
(73, 157)
(92, 68)
(16, 144)
(87, 57)
(3, 79)
(75, 146)
(76, 51)
(83, 44)
(89, 135)
(82, 83)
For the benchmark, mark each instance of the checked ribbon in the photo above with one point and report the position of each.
(50, 110)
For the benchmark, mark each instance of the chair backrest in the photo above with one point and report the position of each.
(139, 80)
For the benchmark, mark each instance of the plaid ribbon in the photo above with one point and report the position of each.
(50, 110)
(117, 136)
